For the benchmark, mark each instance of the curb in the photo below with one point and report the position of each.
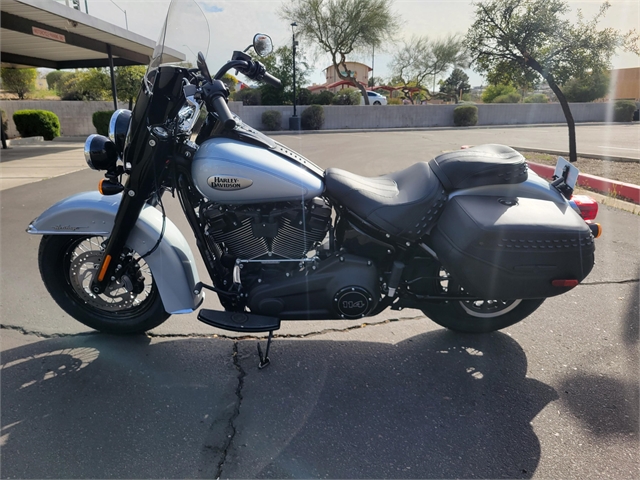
(599, 184)
(25, 141)
(273, 133)
(562, 153)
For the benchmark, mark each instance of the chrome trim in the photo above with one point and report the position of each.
(112, 123)
(87, 150)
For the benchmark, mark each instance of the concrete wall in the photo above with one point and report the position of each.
(75, 117)
(415, 116)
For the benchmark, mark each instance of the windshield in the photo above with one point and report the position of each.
(185, 32)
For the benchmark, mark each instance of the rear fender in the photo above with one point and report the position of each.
(172, 264)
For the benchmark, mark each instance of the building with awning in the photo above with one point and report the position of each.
(45, 33)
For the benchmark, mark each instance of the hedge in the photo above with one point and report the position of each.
(35, 123)
(465, 115)
(623, 111)
(101, 121)
(312, 118)
(272, 120)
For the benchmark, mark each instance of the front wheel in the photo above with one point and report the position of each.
(130, 304)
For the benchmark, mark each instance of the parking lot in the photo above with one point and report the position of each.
(555, 396)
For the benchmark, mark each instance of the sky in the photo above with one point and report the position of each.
(233, 23)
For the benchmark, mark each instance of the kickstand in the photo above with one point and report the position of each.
(264, 360)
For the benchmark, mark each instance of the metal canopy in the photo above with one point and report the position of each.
(44, 33)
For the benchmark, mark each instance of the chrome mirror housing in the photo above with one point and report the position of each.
(262, 44)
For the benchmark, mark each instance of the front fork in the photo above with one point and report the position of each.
(143, 181)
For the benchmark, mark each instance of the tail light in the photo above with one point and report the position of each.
(588, 206)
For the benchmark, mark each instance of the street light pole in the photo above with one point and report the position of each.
(126, 21)
(294, 121)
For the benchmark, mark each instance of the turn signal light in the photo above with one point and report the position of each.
(105, 187)
(565, 283)
(588, 206)
(596, 229)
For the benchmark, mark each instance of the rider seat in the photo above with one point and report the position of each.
(406, 203)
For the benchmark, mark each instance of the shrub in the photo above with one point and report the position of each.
(91, 84)
(101, 121)
(347, 96)
(304, 97)
(623, 111)
(312, 118)
(272, 120)
(323, 98)
(508, 98)
(465, 115)
(493, 91)
(34, 123)
(55, 78)
(394, 101)
(536, 98)
(248, 96)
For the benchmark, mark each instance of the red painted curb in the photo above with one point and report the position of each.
(599, 184)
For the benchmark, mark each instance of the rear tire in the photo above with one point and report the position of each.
(458, 316)
(473, 316)
(67, 265)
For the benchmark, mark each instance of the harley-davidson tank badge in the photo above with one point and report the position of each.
(227, 182)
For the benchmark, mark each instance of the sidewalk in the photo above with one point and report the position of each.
(23, 164)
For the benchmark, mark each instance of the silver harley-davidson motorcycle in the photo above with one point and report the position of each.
(472, 238)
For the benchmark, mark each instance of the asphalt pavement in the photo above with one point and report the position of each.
(555, 396)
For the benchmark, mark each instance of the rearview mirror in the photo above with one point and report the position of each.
(262, 44)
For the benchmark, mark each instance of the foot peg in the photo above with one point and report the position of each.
(239, 321)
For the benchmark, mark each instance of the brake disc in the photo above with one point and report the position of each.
(117, 295)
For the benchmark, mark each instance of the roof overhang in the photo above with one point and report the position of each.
(44, 33)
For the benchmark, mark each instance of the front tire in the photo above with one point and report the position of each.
(131, 304)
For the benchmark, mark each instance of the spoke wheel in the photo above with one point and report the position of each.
(475, 316)
(130, 304)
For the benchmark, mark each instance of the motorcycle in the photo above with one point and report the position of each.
(473, 238)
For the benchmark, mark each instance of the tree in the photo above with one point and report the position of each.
(90, 84)
(18, 80)
(342, 27)
(420, 59)
(128, 81)
(512, 36)
(280, 65)
(587, 88)
(456, 84)
(494, 91)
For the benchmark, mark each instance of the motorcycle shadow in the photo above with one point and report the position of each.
(436, 405)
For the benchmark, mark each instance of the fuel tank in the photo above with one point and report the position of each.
(233, 172)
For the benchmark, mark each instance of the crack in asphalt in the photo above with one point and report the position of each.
(613, 282)
(236, 411)
(36, 333)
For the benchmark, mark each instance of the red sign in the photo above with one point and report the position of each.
(47, 34)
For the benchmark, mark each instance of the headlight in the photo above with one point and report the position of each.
(100, 152)
(118, 127)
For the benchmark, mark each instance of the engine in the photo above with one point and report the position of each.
(285, 230)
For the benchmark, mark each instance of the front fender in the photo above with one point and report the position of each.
(172, 264)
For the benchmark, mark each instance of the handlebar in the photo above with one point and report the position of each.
(271, 80)
(219, 105)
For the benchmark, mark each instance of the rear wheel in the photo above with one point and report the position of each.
(475, 316)
(129, 304)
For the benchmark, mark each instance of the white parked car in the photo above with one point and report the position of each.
(374, 99)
